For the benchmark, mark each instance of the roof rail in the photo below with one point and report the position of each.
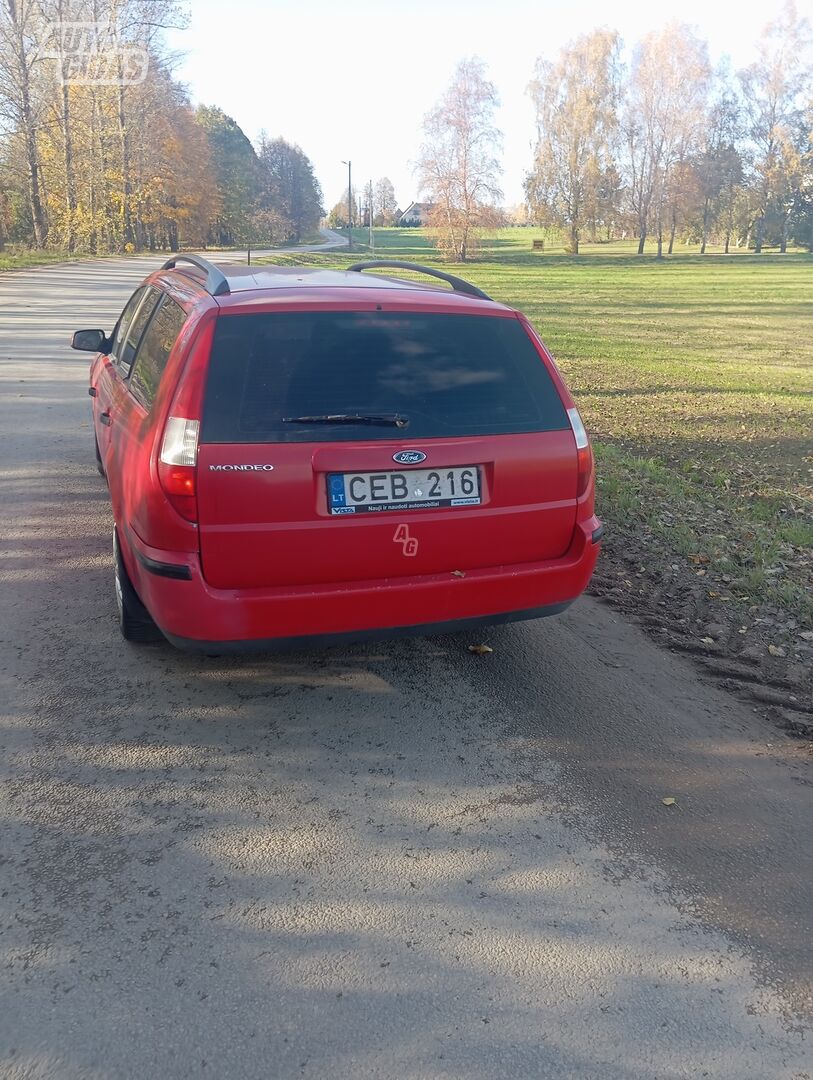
(216, 282)
(458, 284)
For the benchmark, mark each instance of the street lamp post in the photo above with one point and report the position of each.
(349, 205)
(370, 215)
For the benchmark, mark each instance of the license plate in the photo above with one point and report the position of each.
(410, 489)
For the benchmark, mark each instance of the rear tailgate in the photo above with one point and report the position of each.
(481, 407)
(274, 527)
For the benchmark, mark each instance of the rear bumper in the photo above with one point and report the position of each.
(317, 641)
(193, 615)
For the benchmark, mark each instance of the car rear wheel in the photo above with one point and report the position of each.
(135, 622)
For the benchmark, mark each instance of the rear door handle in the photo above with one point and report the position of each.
(106, 418)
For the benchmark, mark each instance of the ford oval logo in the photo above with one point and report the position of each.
(409, 457)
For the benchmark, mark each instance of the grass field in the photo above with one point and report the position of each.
(695, 377)
(21, 258)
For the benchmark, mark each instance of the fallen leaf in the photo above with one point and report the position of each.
(670, 800)
(480, 649)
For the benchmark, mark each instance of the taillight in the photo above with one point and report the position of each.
(180, 445)
(178, 457)
(584, 455)
(177, 464)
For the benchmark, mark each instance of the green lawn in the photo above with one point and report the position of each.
(18, 258)
(23, 259)
(695, 376)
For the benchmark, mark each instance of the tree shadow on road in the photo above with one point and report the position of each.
(353, 863)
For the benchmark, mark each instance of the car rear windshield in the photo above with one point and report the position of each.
(447, 375)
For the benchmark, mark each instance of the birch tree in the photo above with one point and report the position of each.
(664, 114)
(576, 99)
(806, 193)
(775, 89)
(718, 166)
(55, 13)
(22, 100)
(384, 204)
(459, 165)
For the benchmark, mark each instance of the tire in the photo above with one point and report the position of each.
(135, 622)
(99, 466)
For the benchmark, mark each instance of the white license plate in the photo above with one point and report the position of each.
(409, 489)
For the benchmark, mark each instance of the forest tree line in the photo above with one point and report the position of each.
(375, 200)
(107, 163)
(672, 148)
(663, 149)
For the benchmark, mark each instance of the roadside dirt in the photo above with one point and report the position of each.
(758, 653)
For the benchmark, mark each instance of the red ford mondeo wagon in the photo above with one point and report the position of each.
(300, 454)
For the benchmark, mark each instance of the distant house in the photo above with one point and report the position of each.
(416, 213)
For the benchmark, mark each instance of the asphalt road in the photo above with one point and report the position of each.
(399, 861)
(332, 239)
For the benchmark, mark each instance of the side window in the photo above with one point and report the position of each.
(123, 325)
(154, 350)
(132, 335)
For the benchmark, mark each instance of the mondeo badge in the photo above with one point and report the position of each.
(409, 457)
(241, 468)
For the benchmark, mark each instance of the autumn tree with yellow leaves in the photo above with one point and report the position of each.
(100, 148)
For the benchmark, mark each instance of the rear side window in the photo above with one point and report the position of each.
(132, 335)
(153, 352)
(123, 325)
(450, 375)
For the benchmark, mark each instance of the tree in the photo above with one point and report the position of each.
(790, 182)
(384, 204)
(93, 157)
(289, 187)
(774, 90)
(57, 12)
(608, 211)
(575, 99)
(21, 96)
(337, 217)
(804, 220)
(138, 22)
(238, 176)
(366, 218)
(717, 165)
(458, 166)
(176, 196)
(664, 113)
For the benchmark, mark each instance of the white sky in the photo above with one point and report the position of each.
(354, 78)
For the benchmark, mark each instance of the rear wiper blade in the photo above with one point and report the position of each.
(385, 420)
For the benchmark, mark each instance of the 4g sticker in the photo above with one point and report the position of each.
(409, 543)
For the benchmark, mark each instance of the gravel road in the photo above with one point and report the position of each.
(397, 861)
